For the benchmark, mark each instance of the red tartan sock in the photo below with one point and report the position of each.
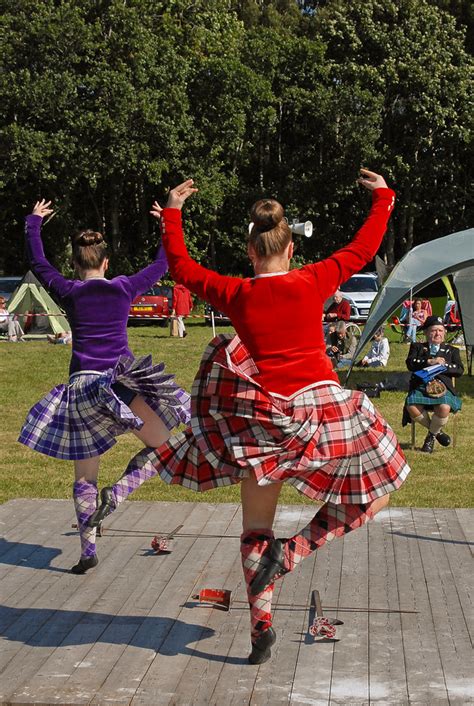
(253, 545)
(330, 521)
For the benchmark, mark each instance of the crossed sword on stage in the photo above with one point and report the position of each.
(221, 598)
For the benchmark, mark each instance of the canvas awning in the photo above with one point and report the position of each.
(464, 283)
(453, 254)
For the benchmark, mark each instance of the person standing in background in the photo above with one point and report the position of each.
(182, 306)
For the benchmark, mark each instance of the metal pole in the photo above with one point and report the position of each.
(213, 324)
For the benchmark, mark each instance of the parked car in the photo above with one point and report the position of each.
(360, 290)
(156, 301)
(219, 318)
(8, 286)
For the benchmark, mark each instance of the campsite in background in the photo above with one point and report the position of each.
(37, 312)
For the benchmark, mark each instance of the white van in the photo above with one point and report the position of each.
(360, 290)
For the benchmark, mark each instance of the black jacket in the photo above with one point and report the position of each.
(418, 358)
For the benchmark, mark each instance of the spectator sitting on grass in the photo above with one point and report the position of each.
(63, 338)
(330, 329)
(379, 352)
(342, 346)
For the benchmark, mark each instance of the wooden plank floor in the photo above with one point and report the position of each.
(130, 633)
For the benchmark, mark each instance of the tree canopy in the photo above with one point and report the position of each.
(106, 103)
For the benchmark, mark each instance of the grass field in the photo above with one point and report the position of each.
(444, 479)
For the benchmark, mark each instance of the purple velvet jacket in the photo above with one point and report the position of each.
(97, 309)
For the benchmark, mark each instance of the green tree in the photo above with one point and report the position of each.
(410, 55)
(94, 107)
(105, 104)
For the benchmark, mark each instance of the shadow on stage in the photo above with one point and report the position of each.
(40, 627)
(30, 556)
(398, 533)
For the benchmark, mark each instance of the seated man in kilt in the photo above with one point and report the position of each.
(438, 395)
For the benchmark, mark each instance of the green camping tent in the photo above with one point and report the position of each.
(30, 297)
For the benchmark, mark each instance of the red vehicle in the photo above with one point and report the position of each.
(155, 302)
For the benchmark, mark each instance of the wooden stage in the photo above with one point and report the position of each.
(129, 632)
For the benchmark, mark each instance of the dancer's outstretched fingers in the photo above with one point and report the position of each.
(180, 193)
(41, 208)
(371, 180)
(156, 210)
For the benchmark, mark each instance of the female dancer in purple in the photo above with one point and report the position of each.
(109, 392)
(267, 406)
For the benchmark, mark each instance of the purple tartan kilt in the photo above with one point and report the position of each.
(329, 442)
(82, 419)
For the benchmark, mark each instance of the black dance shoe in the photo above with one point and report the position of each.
(261, 651)
(84, 565)
(272, 565)
(106, 507)
(443, 438)
(428, 444)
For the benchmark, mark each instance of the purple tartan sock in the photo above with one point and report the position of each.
(137, 472)
(85, 503)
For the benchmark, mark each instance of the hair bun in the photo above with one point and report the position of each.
(266, 214)
(89, 237)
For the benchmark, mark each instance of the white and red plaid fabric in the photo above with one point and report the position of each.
(330, 443)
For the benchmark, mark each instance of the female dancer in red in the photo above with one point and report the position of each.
(267, 406)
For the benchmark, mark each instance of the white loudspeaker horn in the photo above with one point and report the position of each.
(305, 228)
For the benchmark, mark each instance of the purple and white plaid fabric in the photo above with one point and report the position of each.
(330, 443)
(82, 419)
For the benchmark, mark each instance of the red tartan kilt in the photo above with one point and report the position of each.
(329, 442)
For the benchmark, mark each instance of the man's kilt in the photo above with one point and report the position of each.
(330, 443)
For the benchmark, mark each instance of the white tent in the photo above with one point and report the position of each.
(453, 254)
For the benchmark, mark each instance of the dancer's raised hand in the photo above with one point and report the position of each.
(41, 208)
(180, 193)
(371, 180)
(156, 210)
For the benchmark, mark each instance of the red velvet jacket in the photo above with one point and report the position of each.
(278, 317)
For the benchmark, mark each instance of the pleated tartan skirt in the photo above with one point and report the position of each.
(83, 418)
(328, 442)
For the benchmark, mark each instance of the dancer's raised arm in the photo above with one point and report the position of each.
(207, 284)
(350, 259)
(42, 268)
